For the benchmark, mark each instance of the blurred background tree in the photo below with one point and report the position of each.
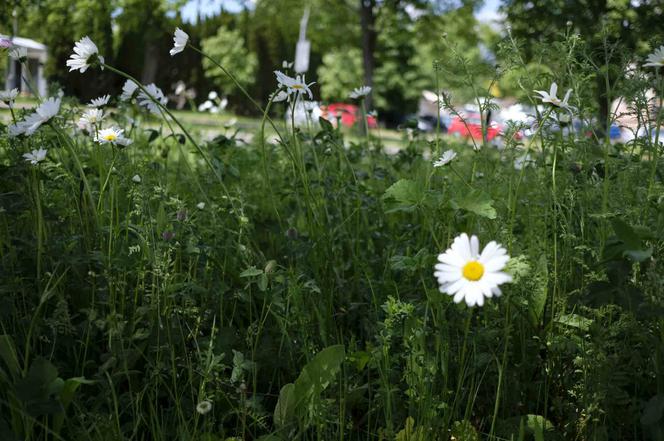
(390, 44)
(228, 49)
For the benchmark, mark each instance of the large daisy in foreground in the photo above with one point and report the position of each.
(467, 274)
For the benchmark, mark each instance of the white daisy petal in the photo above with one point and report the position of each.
(447, 268)
(474, 246)
(461, 246)
(452, 258)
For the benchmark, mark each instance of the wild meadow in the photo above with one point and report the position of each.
(309, 285)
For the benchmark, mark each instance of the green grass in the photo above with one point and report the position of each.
(291, 285)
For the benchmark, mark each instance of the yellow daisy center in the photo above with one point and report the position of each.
(473, 270)
(298, 86)
(111, 137)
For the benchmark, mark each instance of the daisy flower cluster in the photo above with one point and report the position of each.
(213, 104)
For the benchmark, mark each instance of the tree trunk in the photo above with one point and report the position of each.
(367, 23)
(150, 63)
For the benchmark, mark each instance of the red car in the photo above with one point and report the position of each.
(349, 113)
(471, 127)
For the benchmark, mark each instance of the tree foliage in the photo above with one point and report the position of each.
(228, 49)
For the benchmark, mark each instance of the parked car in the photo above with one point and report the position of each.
(430, 123)
(471, 127)
(349, 114)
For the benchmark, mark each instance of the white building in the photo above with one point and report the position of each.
(22, 78)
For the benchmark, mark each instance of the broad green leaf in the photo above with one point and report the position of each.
(39, 389)
(66, 397)
(626, 234)
(477, 202)
(403, 195)
(537, 425)
(284, 411)
(575, 321)
(315, 377)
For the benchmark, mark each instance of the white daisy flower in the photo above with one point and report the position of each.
(656, 59)
(148, 100)
(128, 90)
(360, 92)
(213, 95)
(85, 55)
(113, 136)
(180, 39)
(136, 179)
(279, 96)
(46, 110)
(18, 53)
(200, 205)
(467, 274)
(35, 156)
(90, 118)
(8, 96)
(551, 97)
(447, 157)
(204, 407)
(294, 85)
(100, 102)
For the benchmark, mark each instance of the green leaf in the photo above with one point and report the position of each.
(153, 135)
(262, 282)
(629, 242)
(477, 202)
(8, 355)
(537, 425)
(325, 124)
(251, 272)
(575, 321)
(403, 195)
(626, 234)
(537, 300)
(653, 411)
(66, 396)
(38, 389)
(284, 411)
(315, 377)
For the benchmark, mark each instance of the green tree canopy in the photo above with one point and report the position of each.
(227, 47)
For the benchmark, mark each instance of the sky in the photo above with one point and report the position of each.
(209, 7)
